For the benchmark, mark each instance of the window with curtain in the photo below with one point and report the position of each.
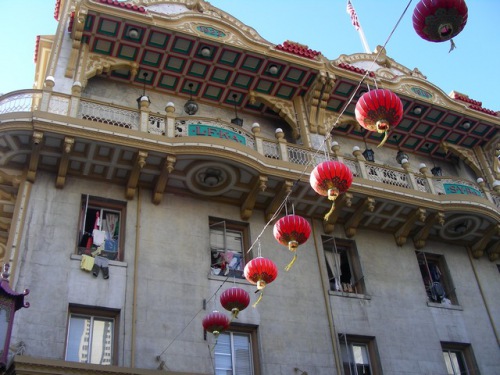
(343, 265)
(459, 359)
(101, 227)
(359, 355)
(228, 244)
(91, 336)
(235, 353)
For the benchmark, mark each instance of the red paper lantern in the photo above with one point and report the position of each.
(331, 178)
(378, 110)
(292, 231)
(215, 322)
(440, 20)
(235, 300)
(260, 271)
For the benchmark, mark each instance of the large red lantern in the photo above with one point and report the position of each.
(331, 178)
(292, 231)
(235, 300)
(215, 322)
(440, 20)
(378, 110)
(260, 271)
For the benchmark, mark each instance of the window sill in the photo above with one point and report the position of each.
(444, 306)
(349, 295)
(229, 278)
(115, 263)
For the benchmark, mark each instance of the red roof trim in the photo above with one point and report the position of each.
(354, 69)
(57, 9)
(37, 44)
(124, 5)
(298, 49)
(474, 104)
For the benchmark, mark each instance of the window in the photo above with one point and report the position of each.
(235, 352)
(436, 278)
(228, 244)
(343, 266)
(459, 359)
(359, 355)
(101, 227)
(91, 336)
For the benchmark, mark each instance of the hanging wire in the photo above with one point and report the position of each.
(283, 203)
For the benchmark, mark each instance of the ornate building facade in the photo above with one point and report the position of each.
(159, 145)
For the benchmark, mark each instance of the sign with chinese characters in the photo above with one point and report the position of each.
(213, 131)
(210, 31)
(421, 92)
(461, 189)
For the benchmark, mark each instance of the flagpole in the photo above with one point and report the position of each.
(363, 40)
(357, 25)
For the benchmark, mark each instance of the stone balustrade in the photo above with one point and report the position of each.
(170, 125)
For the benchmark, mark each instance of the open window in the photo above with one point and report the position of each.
(343, 266)
(359, 355)
(101, 228)
(236, 351)
(228, 244)
(436, 278)
(91, 336)
(459, 359)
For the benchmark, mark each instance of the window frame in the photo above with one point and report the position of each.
(371, 347)
(102, 204)
(94, 313)
(424, 260)
(347, 251)
(251, 331)
(232, 226)
(466, 354)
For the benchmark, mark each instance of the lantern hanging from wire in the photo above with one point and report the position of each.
(292, 231)
(260, 271)
(379, 110)
(235, 300)
(440, 20)
(331, 178)
(215, 323)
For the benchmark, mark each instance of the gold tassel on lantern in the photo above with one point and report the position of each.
(383, 127)
(289, 265)
(333, 193)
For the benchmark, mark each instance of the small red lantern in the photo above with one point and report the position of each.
(440, 20)
(292, 231)
(215, 322)
(260, 271)
(331, 178)
(235, 300)
(378, 110)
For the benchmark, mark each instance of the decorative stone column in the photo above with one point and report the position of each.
(144, 103)
(280, 136)
(411, 176)
(361, 161)
(258, 138)
(336, 151)
(428, 177)
(76, 93)
(170, 120)
(47, 93)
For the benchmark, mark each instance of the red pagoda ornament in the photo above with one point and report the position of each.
(215, 323)
(235, 300)
(260, 271)
(440, 20)
(331, 178)
(378, 110)
(292, 231)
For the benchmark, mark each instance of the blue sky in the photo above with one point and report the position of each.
(323, 25)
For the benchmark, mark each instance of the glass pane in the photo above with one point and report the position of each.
(102, 342)
(455, 363)
(223, 362)
(78, 339)
(360, 354)
(242, 354)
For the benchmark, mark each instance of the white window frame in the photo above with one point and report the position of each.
(252, 367)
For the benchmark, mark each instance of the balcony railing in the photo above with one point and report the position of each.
(158, 124)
